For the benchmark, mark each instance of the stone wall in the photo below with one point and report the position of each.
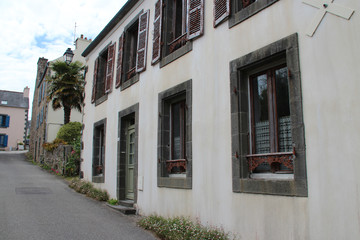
(58, 158)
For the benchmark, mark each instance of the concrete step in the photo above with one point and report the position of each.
(124, 209)
(126, 203)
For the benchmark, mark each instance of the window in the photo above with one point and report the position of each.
(39, 94)
(99, 151)
(4, 120)
(3, 140)
(268, 140)
(41, 115)
(240, 10)
(175, 23)
(37, 121)
(174, 137)
(44, 90)
(132, 51)
(103, 74)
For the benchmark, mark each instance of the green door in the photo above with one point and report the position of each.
(130, 156)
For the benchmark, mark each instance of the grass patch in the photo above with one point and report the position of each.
(180, 228)
(88, 189)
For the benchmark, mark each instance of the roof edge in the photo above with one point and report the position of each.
(120, 14)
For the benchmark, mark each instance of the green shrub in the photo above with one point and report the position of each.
(73, 163)
(180, 228)
(113, 201)
(70, 132)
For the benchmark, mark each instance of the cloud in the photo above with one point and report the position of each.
(37, 28)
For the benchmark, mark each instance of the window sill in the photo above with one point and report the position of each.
(129, 82)
(177, 54)
(281, 187)
(177, 175)
(98, 179)
(175, 182)
(249, 11)
(273, 176)
(101, 100)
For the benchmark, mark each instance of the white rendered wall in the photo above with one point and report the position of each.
(329, 64)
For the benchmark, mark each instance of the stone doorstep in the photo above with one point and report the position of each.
(126, 203)
(124, 209)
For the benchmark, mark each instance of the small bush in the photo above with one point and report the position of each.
(70, 132)
(73, 163)
(179, 228)
(113, 201)
(88, 189)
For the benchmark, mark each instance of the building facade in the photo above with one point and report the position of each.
(46, 121)
(239, 114)
(14, 108)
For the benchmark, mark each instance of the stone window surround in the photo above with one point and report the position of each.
(98, 179)
(285, 48)
(185, 89)
(252, 9)
(121, 149)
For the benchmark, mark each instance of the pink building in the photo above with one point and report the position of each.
(14, 107)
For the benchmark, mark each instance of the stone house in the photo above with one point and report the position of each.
(14, 108)
(45, 121)
(239, 114)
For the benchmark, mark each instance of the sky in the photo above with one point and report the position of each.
(44, 28)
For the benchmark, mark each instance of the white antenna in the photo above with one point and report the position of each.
(75, 33)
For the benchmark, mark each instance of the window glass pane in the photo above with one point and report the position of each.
(178, 24)
(241, 4)
(261, 115)
(176, 131)
(283, 110)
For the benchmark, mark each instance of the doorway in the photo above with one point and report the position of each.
(127, 155)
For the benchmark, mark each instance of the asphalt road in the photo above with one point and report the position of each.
(37, 205)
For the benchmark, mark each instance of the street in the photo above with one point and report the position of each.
(37, 205)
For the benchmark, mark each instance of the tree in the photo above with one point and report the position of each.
(66, 87)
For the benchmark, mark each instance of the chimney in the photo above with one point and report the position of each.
(26, 92)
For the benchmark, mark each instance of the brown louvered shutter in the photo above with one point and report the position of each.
(110, 68)
(195, 18)
(142, 41)
(119, 61)
(221, 11)
(157, 32)
(94, 80)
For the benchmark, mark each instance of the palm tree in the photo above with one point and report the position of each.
(66, 87)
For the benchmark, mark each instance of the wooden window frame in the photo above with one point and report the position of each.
(5, 121)
(272, 108)
(130, 50)
(99, 132)
(287, 50)
(182, 121)
(172, 42)
(4, 140)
